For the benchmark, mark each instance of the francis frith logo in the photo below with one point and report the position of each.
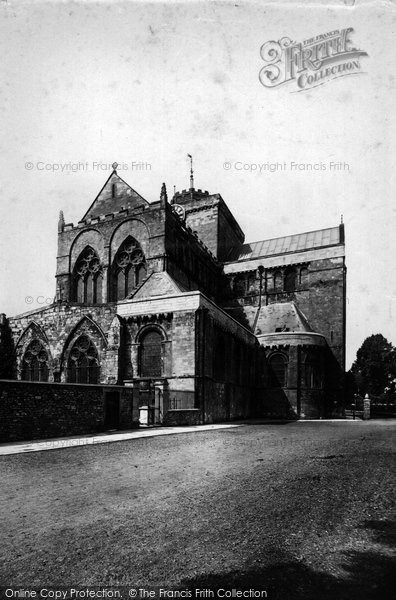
(312, 62)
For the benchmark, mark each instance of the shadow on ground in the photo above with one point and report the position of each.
(369, 575)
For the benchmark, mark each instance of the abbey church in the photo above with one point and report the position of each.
(165, 315)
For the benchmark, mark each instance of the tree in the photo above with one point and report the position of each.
(7, 353)
(375, 366)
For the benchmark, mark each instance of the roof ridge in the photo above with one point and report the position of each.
(281, 237)
(97, 197)
(288, 244)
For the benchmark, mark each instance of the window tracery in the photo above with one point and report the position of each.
(83, 364)
(88, 278)
(129, 269)
(35, 362)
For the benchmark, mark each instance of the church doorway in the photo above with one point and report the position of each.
(112, 410)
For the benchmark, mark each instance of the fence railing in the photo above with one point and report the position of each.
(181, 399)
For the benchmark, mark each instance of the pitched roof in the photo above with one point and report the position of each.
(105, 202)
(278, 317)
(289, 243)
(157, 284)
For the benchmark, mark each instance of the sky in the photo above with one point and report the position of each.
(84, 84)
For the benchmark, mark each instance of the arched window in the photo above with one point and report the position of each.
(87, 278)
(278, 370)
(35, 362)
(129, 269)
(83, 364)
(312, 372)
(239, 285)
(303, 277)
(290, 280)
(251, 284)
(151, 354)
(278, 280)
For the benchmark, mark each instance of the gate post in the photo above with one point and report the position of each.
(366, 407)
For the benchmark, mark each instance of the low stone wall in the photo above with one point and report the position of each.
(32, 410)
(192, 416)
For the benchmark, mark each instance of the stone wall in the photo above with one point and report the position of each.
(57, 325)
(183, 417)
(209, 216)
(45, 410)
(105, 235)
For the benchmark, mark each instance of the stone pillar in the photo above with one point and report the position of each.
(134, 348)
(106, 292)
(292, 379)
(166, 346)
(366, 408)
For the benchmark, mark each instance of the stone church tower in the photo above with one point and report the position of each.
(166, 298)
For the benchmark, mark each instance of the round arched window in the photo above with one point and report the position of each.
(151, 354)
(278, 370)
(304, 277)
(290, 280)
(278, 280)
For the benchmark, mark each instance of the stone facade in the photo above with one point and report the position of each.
(167, 298)
(44, 410)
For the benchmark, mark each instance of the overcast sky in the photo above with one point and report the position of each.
(94, 82)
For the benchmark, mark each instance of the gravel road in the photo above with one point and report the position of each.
(302, 510)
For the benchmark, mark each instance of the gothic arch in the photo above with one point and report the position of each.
(86, 328)
(128, 269)
(32, 330)
(35, 362)
(33, 354)
(83, 364)
(87, 277)
(130, 227)
(89, 237)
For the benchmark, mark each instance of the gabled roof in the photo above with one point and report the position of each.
(157, 284)
(289, 243)
(105, 202)
(279, 317)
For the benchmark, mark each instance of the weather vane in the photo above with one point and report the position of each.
(191, 171)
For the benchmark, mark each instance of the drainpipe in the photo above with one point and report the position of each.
(261, 271)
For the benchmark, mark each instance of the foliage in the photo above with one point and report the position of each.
(374, 370)
(7, 352)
